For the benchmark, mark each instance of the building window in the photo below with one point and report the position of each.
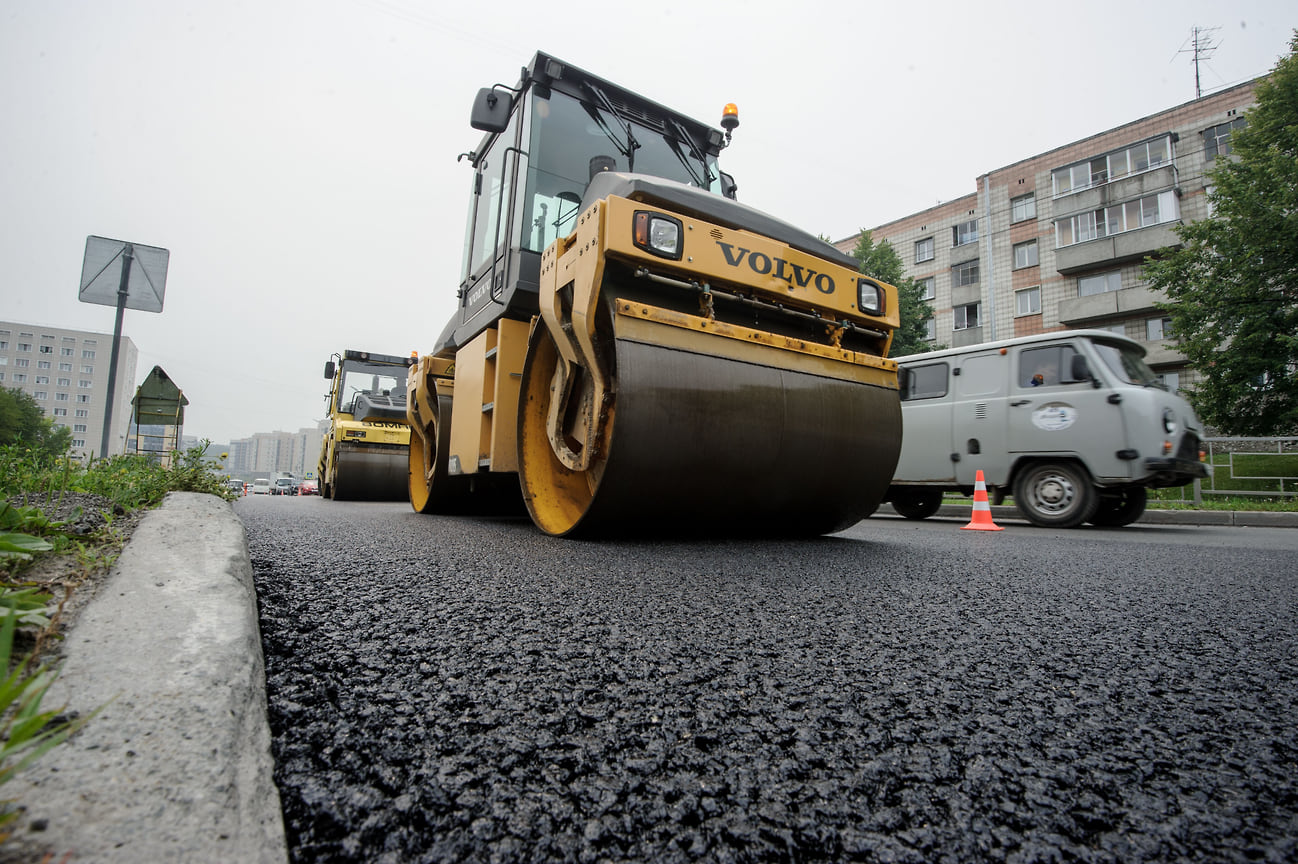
(927, 288)
(65, 367)
(42, 395)
(78, 442)
(83, 398)
(930, 329)
(20, 378)
(22, 362)
(1138, 158)
(65, 382)
(1170, 380)
(1094, 224)
(87, 370)
(60, 397)
(79, 427)
(42, 364)
(1158, 329)
(1027, 301)
(42, 379)
(965, 232)
(4, 361)
(46, 349)
(84, 384)
(60, 412)
(1025, 255)
(82, 412)
(966, 316)
(1100, 283)
(87, 355)
(924, 250)
(965, 274)
(1023, 207)
(65, 352)
(1216, 141)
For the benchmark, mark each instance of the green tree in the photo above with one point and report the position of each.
(23, 422)
(1232, 286)
(880, 261)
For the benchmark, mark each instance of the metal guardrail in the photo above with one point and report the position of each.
(1234, 464)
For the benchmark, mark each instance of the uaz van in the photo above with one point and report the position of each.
(1073, 424)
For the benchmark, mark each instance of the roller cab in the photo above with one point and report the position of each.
(638, 351)
(364, 454)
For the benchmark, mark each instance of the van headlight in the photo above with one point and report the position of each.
(1169, 421)
(869, 297)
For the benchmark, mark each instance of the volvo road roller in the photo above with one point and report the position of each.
(364, 453)
(636, 351)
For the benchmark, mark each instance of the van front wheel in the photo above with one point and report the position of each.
(1120, 507)
(1055, 495)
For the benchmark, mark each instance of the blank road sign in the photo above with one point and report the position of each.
(101, 274)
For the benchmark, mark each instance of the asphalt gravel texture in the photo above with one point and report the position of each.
(449, 689)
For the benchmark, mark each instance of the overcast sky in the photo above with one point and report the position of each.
(298, 157)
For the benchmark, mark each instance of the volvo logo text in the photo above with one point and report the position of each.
(764, 265)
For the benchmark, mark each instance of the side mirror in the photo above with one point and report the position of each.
(329, 370)
(1080, 370)
(728, 186)
(490, 111)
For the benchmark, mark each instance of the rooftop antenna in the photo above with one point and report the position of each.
(1201, 47)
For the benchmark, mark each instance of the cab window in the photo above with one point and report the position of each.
(1048, 366)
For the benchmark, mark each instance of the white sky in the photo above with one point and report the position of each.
(297, 157)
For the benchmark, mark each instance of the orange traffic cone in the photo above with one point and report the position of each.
(982, 510)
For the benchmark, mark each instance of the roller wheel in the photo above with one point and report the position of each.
(556, 497)
(435, 491)
(1119, 507)
(1055, 494)
(916, 503)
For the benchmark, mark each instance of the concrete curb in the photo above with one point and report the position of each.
(1229, 518)
(177, 767)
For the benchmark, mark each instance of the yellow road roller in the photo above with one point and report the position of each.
(636, 351)
(364, 454)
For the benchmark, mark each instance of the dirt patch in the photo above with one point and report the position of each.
(98, 529)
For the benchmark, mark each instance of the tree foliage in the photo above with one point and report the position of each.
(23, 422)
(880, 261)
(1232, 286)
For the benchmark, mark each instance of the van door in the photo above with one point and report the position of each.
(1051, 413)
(926, 425)
(980, 386)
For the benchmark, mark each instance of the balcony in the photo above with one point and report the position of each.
(1080, 310)
(1116, 249)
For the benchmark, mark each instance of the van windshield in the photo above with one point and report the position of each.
(1127, 364)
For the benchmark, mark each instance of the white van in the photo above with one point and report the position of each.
(261, 486)
(1073, 424)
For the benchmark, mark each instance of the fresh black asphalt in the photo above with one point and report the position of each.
(447, 689)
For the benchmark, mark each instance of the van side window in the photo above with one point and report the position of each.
(1046, 367)
(927, 382)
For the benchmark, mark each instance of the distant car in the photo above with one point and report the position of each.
(261, 486)
(235, 486)
(284, 486)
(308, 487)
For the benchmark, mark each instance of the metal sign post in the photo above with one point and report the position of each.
(141, 284)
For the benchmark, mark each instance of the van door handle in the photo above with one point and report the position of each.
(1017, 402)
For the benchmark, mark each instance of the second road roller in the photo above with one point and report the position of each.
(636, 351)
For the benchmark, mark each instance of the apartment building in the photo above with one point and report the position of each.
(1057, 241)
(66, 372)
(266, 453)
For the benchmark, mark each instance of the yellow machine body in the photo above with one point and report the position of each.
(364, 454)
(686, 364)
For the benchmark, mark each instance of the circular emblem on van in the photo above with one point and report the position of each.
(1054, 416)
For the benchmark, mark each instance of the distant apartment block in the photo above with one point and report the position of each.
(66, 372)
(266, 453)
(1057, 241)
